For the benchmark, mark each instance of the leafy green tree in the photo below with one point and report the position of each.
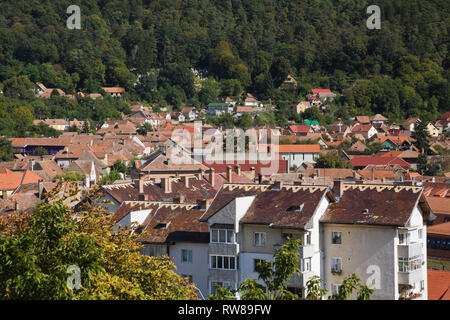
(332, 160)
(37, 250)
(19, 87)
(6, 150)
(421, 136)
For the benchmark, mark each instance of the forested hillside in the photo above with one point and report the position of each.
(150, 46)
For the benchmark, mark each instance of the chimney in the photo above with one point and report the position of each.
(338, 188)
(200, 174)
(238, 170)
(373, 174)
(143, 197)
(278, 185)
(179, 199)
(354, 175)
(166, 185)
(32, 162)
(212, 176)
(139, 184)
(229, 174)
(204, 204)
(185, 180)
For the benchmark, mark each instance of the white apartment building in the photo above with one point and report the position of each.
(375, 231)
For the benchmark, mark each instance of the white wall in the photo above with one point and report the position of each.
(199, 267)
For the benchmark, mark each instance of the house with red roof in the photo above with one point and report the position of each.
(10, 181)
(366, 130)
(360, 162)
(323, 94)
(300, 130)
(295, 154)
(114, 91)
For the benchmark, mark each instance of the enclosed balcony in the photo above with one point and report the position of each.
(410, 250)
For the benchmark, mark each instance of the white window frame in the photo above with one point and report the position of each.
(224, 260)
(305, 264)
(410, 264)
(259, 239)
(190, 255)
(229, 235)
(333, 264)
(335, 288)
(332, 237)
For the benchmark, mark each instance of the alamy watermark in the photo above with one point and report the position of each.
(74, 21)
(374, 21)
(74, 280)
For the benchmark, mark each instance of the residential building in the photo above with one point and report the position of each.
(377, 232)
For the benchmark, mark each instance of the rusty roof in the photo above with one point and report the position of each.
(197, 190)
(176, 222)
(288, 207)
(387, 204)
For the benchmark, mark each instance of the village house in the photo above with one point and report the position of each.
(114, 91)
(301, 107)
(251, 101)
(410, 123)
(324, 94)
(366, 130)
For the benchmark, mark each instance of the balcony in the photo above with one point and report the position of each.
(223, 275)
(304, 251)
(410, 250)
(410, 277)
(300, 280)
(229, 249)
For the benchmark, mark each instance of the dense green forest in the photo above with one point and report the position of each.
(150, 47)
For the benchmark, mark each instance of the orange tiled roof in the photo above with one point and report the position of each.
(10, 180)
(438, 285)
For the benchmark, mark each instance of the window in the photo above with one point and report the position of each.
(335, 289)
(336, 237)
(186, 256)
(422, 285)
(305, 265)
(259, 239)
(223, 262)
(420, 233)
(255, 263)
(308, 238)
(403, 238)
(222, 236)
(336, 264)
(410, 264)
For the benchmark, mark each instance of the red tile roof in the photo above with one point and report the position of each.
(362, 128)
(438, 285)
(10, 180)
(364, 161)
(315, 91)
(300, 129)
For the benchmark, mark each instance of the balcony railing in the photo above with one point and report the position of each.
(410, 250)
(410, 277)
